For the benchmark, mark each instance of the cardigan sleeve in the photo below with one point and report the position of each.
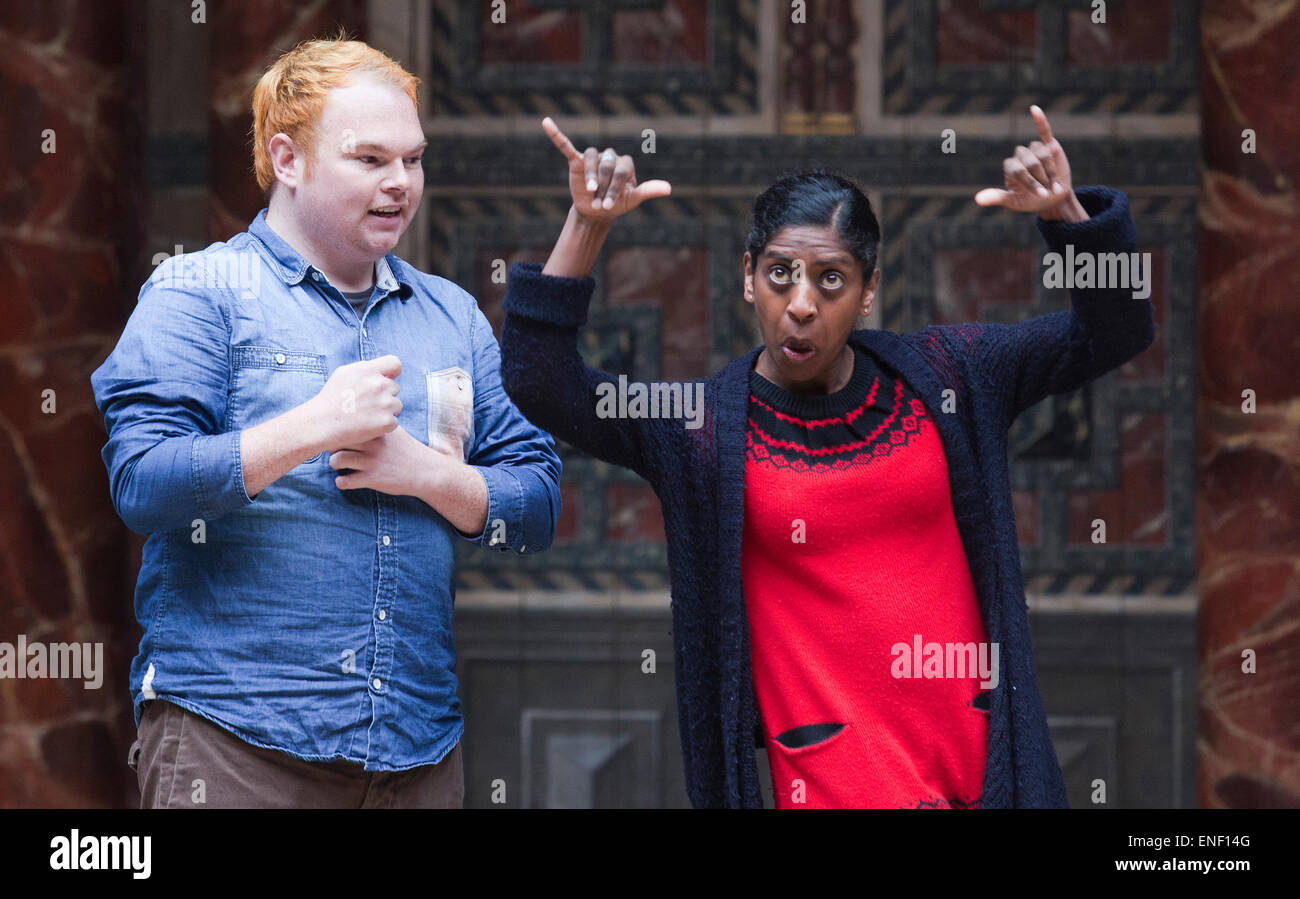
(1105, 327)
(549, 382)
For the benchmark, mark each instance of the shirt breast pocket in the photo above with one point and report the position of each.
(268, 381)
(450, 394)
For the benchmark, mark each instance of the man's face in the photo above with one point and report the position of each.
(366, 180)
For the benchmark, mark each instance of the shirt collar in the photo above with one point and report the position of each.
(293, 267)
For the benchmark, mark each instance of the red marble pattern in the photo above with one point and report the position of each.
(70, 239)
(677, 33)
(247, 36)
(967, 33)
(677, 281)
(1134, 32)
(1252, 196)
(1248, 465)
(1256, 493)
(966, 281)
(530, 35)
(1250, 253)
(634, 514)
(1138, 511)
(56, 290)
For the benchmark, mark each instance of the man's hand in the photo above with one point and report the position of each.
(398, 464)
(357, 404)
(1037, 179)
(394, 463)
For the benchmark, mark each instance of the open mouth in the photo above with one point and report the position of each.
(387, 212)
(797, 349)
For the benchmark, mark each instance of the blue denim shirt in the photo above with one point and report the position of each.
(312, 620)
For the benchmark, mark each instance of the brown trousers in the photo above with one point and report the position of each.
(182, 760)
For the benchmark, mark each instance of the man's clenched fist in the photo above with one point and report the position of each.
(358, 403)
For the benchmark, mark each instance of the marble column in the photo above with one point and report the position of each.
(1248, 408)
(71, 149)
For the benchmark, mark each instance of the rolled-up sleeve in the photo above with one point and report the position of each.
(162, 393)
(517, 459)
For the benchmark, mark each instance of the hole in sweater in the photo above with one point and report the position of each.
(808, 734)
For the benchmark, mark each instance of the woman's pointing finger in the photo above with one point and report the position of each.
(557, 137)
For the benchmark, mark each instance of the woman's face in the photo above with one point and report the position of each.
(808, 291)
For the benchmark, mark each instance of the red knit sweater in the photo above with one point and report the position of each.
(851, 561)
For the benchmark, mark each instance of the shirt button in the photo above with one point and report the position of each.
(279, 358)
(363, 333)
(315, 276)
(460, 383)
(387, 540)
(383, 613)
(376, 683)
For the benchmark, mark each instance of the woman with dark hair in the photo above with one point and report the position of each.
(845, 574)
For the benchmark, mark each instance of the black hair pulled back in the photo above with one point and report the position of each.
(817, 197)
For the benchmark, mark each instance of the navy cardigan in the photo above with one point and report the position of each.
(994, 372)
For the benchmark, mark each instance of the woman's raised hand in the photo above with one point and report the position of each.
(1037, 178)
(603, 184)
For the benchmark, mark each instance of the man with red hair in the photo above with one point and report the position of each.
(304, 425)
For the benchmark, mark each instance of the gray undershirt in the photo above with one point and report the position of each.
(358, 299)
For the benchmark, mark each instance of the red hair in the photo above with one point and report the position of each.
(290, 95)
